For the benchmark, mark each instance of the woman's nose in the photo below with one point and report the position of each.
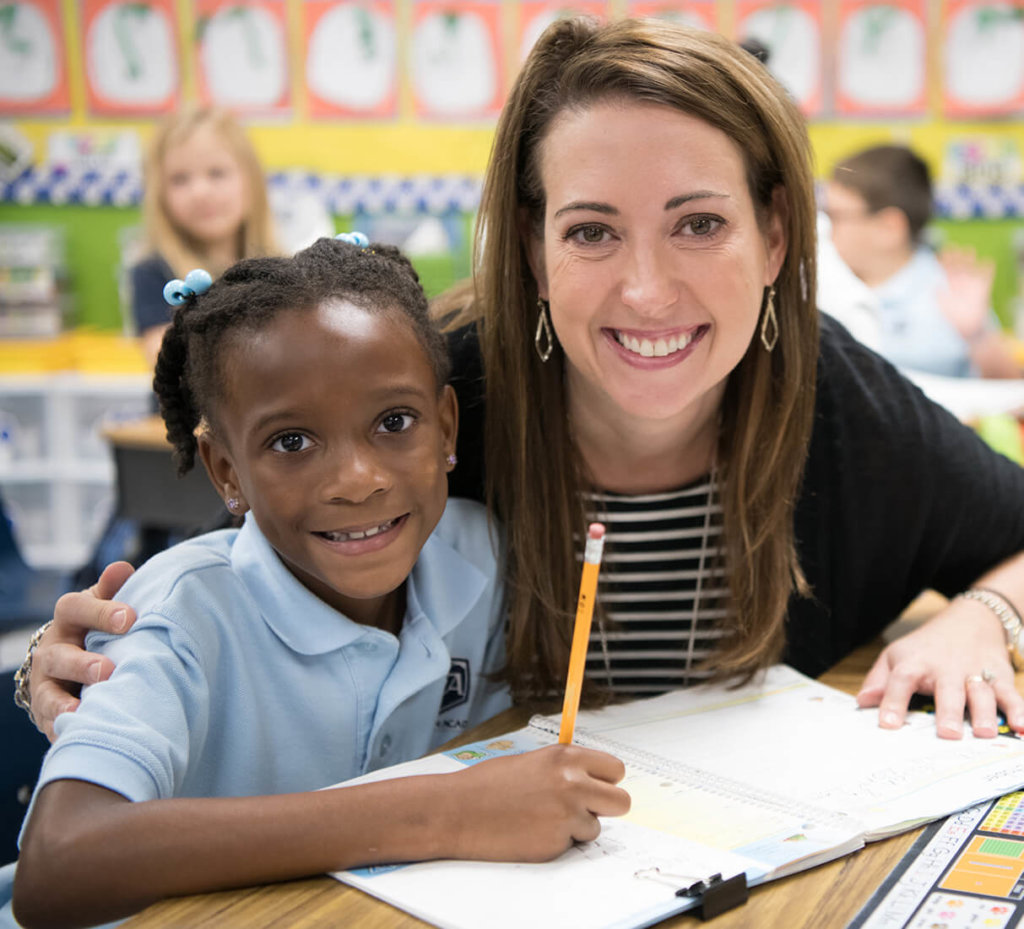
(650, 285)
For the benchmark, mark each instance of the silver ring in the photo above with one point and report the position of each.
(986, 677)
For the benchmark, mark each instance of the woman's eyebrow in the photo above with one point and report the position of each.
(695, 195)
(591, 205)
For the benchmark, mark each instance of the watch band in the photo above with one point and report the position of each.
(1011, 620)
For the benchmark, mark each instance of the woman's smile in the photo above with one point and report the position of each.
(665, 347)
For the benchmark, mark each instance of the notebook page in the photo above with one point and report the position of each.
(790, 735)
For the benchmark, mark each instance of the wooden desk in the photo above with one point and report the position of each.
(826, 897)
(148, 488)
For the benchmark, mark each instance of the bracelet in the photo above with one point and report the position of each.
(1007, 614)
(22, 697)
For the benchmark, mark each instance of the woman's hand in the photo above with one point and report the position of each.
(945, 657)
(532, 807)
(60, 665)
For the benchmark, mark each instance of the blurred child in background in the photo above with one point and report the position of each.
(934, 310)
(204, 205)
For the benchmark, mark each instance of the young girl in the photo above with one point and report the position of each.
(205, 204)
(315, 643)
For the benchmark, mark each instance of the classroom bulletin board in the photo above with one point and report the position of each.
(390, 105)
(414, 86)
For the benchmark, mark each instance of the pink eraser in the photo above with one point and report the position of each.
(596, 530)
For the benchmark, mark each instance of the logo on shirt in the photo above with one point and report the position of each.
(456, 687)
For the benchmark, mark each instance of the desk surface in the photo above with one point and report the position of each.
(826, 897)
(148, 432)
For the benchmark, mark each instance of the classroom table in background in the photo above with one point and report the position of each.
(825, 897)
(148, 488)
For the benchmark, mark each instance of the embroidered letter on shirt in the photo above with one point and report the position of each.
(456, 687)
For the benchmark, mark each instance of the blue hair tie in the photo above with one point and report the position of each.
(197, 281)
(354, 238)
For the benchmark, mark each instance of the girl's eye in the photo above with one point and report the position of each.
(588, 235)
(702, 225)
(396, 422)
(291, 442)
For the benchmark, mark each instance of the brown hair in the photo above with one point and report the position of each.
(256, 237)
(534, 472)
(890, 175)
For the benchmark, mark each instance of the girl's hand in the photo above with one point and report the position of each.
(60, 665)
(532, 807)
(944, 657)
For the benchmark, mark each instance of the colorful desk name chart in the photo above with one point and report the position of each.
(964, 873)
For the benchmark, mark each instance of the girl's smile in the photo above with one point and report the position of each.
(369, 539)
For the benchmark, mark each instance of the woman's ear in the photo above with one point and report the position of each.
(221, 471)
(532, 236)
(776, 239)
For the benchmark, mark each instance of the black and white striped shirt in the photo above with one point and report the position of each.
(661, 591)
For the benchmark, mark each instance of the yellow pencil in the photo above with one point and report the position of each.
(581, 631)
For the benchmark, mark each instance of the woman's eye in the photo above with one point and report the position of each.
(588, 235)
(396, 422)
(291, 442)
(702, 225)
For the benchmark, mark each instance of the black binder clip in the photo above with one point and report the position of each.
(717, 896)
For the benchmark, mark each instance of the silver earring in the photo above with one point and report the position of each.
(452, 461)
(769, 323)
(544, 334)
(232, 503)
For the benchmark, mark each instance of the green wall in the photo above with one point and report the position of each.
(92, 240)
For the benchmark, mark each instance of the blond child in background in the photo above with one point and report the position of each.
(204, 205)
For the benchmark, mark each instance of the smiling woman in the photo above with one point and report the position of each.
(643, 313)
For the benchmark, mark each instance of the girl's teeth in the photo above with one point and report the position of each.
(657, 349)
(364, 534)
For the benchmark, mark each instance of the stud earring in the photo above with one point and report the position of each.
(232, 504)
(452, 461)
(769, 323)
(543, 333)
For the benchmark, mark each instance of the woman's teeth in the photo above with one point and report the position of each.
(358, 534)
(659, 348)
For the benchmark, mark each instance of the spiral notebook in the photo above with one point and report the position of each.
(768, 779)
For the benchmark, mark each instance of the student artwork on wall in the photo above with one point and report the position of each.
(792, 34)
(33, 74)
(351, 58)
(702, 14)
(241, 55)
(536, 15)
(881, 66)
(131, 57)
(983, 57)
(454, 59)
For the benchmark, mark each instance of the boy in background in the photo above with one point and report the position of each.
(934, 310)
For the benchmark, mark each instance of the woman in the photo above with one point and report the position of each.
(652, 356)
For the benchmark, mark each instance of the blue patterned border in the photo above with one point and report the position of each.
(420, 194)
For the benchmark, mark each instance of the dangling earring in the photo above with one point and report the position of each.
(769, 322)
(544, 333)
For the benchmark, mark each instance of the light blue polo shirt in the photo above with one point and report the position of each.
(914, 331)
(237, 680)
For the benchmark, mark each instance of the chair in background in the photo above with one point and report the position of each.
(27, 596)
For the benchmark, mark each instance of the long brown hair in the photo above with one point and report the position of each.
(256, 236)
(534, 471)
